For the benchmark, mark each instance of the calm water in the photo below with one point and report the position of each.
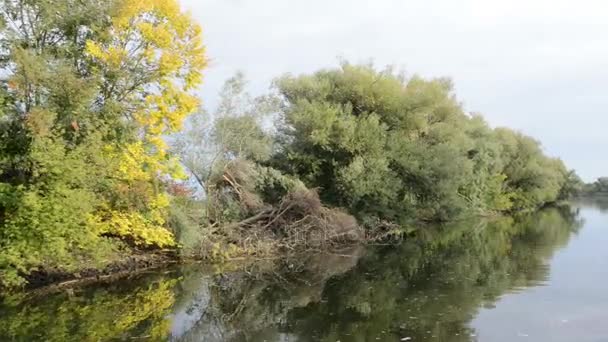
(540, 277)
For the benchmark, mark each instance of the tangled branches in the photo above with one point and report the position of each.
(301, 219)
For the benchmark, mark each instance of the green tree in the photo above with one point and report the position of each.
(600, 186)
(395, 148)
(88, 89)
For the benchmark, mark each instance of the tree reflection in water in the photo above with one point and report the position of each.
(427, 288)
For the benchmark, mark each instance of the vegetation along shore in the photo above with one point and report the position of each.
(108, 154)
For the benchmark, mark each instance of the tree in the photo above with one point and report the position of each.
(149, 61)
(598, 187)
(234, 131)
(394, 148)
(89, 89)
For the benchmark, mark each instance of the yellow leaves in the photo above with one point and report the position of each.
(144, 163)
(130, 163)
(156, 33)
(192, 79)
(169, 9)
(113, 57)
(106, 315)
(142, 230)
(148, 304)
(165, 113)
(160, 145)
(161, 201)
(129, 9)
(159, 35)
(136, 172)
(177, 172)
(94, 50)
(137, 169)
(155, 37)
(151, 40)
(188, 102)
(149, 54)
(169, 63)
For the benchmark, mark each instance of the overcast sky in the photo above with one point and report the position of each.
(537, 66)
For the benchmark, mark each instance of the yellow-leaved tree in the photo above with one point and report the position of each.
(150, 60)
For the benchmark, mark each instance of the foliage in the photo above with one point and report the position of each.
(600, 186)
(386, 146)
(186, 215)
(89, 88)
(96, 104)
(211, 142)
(250, 207)
(222, 152)
(161, 49)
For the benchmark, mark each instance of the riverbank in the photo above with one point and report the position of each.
(263, 250)
(49, 280)
(434, 283)
(294, 232)
(41, 283)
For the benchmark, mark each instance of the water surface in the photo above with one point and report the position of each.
(538, 277)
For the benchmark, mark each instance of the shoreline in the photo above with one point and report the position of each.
(49, 281)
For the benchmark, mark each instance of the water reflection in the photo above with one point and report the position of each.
(599, 202)
(100, 314)
(427, 288)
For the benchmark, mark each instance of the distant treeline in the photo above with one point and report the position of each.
(599, 187)
(95, 164)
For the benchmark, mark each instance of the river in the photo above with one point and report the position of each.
(536, 277)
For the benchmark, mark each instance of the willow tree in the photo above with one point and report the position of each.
(88, 90)
(390, 147)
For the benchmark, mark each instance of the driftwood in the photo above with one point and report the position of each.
(298, 220)
(250, 220)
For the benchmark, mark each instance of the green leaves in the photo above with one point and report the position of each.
(82, 125)
(381, 144)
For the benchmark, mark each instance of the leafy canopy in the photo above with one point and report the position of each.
(388, 146)
(89, 88)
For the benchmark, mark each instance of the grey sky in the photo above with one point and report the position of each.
(537, 66)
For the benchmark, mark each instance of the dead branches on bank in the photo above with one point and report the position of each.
(298, 222)
(301, 217)
(293, 219)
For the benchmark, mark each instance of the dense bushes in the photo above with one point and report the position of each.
(352, 141)
(599, 187)
(387, 146)
(250, 207)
